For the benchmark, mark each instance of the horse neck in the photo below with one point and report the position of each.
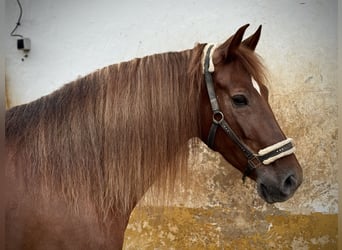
(112, 134)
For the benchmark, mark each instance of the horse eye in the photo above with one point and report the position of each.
(240, 100)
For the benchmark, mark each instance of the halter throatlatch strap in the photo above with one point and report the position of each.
(265, 156)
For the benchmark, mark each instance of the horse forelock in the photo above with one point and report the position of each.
(253, 64)
(110, 135)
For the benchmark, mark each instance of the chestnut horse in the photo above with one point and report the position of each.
(80, 159)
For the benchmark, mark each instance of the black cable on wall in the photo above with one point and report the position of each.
(18, 22)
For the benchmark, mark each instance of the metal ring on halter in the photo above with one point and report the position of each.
(219, 119)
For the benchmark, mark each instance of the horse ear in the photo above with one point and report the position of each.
(252, 41)
(227, 50)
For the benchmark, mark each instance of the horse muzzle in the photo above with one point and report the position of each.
(278, 182)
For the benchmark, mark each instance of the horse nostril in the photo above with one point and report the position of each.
(290, 181)
(290, 184)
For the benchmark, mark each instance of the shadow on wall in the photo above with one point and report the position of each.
(7, 94)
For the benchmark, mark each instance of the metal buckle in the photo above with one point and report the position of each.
(254, 162)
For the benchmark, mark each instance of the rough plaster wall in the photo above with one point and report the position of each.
(215, 210)
(298, 44)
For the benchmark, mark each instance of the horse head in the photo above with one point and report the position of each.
(238, 120)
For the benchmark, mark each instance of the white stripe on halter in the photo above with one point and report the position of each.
(275, 147)
(211, 64)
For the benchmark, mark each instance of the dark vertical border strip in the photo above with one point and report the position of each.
(339, 78)
(2, 123)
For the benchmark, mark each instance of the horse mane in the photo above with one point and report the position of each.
(110, 135)
(113, 133)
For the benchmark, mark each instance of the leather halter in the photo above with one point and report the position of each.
(265, 156)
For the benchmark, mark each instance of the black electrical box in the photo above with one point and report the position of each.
(24, 44)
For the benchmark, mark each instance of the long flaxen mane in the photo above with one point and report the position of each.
(108, 136)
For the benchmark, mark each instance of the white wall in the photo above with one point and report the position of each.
(72, 38)
(298, 43)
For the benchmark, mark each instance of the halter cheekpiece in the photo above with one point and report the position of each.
(264, 156)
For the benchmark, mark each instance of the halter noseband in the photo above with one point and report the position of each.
(265, 156)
